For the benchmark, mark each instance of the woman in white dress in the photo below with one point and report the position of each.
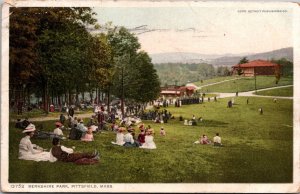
(149, 143)
(29, 151)
(120, 137)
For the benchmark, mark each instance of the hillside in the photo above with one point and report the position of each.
(276, 54)
(214, 59)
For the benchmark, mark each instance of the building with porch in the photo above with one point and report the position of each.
(256, 67)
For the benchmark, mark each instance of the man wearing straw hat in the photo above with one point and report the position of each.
(29, 151)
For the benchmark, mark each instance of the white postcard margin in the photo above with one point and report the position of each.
(168, 188)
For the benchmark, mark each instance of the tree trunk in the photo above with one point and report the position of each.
(91, 97)
(108, 99)
(77, 97)
(45, 98)
(82, 95)
(98, 97)
(70, 98)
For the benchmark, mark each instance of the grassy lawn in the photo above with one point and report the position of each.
(258, 149)
(288, 91)
(213, 80)
(248, 84)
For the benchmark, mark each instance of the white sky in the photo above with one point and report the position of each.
(205, 30)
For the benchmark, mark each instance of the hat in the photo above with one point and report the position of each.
(121, 129)
(151, 131)
(29, 128)
(58, 124)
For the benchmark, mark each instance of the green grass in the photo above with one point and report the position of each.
(214, 80)
(258, 149)
(247, 84)
(288, 91)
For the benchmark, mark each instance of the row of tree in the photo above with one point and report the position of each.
(53, 55)
(169, 73)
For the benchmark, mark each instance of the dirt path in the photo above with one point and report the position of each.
(84, 115)
(252, 93)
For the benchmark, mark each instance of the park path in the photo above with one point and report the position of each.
(199, 87)
(252, 93)
(84, 115)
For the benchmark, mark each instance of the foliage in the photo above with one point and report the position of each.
(169, 73)
(243, 60)
(286, 66)
(52, 54)
(134, 73)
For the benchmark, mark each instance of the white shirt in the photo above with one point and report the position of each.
(128, 138)
(26, 146)
(26, 151)
(120, 139)
(149, 143)
(81, 127)
(58, 131)
(217, 139)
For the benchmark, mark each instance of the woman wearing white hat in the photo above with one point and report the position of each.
(29, 151)
(120, 137)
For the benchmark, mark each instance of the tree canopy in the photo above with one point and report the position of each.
(53, 54)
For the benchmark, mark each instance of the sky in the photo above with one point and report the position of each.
(205, 30)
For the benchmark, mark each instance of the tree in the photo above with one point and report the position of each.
(51, 43)
(286, 66)
(243, 60)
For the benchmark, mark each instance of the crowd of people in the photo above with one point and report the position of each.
(69, 126)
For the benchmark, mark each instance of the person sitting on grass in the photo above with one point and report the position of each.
(62, 118)
(217, 140)
(29, 151)
(18, 124)
(120, 137)
(25, 122)
(64, 154)
(194, 123)
(162, 131)
(129, 139)
(89, 135)
(114, 127)
(92, 124)
(204, 140)
(81, 127)
(149, 143)
(141, 137)
(57, 130)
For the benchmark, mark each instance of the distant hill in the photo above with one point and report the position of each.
(276, 54)
(226, 59)
(181, 57)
